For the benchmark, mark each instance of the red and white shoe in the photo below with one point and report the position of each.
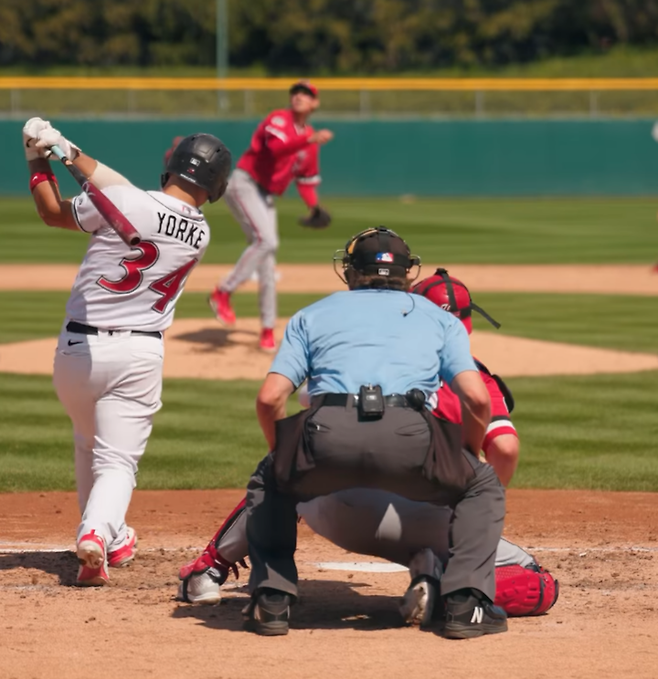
(124, 554)
(220, 303)
(267, 342)
(93, 561)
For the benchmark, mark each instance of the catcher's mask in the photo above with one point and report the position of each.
(376, 252)
(451, 295)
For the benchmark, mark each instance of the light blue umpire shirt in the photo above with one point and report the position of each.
(395, 339)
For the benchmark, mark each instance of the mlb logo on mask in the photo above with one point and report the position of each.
(385, 257)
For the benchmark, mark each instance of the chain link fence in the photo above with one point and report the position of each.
(350, 98)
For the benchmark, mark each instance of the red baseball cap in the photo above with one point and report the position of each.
(304, 86)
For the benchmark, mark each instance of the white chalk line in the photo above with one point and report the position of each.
(36, 548)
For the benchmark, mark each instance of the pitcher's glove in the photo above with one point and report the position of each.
(319, 218)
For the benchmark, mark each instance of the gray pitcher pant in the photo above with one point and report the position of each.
(386, 454)
(254, 210)
(374, 523)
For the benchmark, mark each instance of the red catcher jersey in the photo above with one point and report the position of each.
(280, 152)
(124, 288)
(449, 408)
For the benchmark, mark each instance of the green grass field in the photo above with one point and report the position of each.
(577, 432)
(446, 230)
(575, 319)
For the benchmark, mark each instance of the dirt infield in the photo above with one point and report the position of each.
(602, 547)
(611, 279)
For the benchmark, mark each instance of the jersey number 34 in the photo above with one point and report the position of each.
(167, 286)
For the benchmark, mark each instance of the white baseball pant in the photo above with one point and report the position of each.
(254, 210)
(110, 386)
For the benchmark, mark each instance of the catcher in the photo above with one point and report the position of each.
(385, 525)
(284, 147)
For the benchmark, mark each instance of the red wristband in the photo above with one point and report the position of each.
(39, 177)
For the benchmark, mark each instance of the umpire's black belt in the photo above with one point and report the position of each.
(82, 329)
(393, 400)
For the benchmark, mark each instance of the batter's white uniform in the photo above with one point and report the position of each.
(108, 373)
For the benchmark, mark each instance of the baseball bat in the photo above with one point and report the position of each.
(107, 209)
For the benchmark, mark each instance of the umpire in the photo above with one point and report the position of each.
(372, 356)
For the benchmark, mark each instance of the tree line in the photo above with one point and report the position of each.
(318, 36)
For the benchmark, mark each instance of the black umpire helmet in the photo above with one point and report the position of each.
(203, 160)
(377, 252)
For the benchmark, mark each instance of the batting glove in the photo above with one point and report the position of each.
(31, 131)
(51, 137)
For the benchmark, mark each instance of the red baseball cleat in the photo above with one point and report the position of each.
(220, 303)
(124, 554)
(93, 561)
(267, 342)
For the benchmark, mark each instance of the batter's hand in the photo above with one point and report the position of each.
(52, 137)
(31, 131)
(321, 137)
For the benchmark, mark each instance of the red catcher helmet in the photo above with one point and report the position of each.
(451, 295)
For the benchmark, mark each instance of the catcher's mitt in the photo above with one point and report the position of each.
(525, 591)
(318, 219)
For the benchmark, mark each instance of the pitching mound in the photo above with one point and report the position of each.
(203, 349)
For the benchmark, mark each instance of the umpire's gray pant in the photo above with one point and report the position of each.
(388, 454)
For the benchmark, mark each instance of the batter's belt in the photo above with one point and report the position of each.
(82, 329)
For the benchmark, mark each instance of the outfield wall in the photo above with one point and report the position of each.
(496, 158)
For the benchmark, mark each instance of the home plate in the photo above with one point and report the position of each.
(362, 566)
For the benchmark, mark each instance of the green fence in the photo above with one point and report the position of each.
(493, 158)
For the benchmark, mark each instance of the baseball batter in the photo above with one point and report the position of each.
(108, 362)
(284, 147)
(382, 524)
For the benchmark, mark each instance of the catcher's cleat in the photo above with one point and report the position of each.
(268, 613)
(202, 578)
(470, 614)
(417, 606)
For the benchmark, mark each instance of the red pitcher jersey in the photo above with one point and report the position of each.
(449, 408)
(119, 287)
(280, 152)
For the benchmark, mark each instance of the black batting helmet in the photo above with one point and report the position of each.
(203, 160)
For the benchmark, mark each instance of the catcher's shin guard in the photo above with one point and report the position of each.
(210, 564)
(525, 591)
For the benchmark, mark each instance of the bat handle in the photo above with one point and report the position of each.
(58, 152)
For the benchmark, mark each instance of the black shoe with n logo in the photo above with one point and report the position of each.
(268, 613)
(469, 613)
